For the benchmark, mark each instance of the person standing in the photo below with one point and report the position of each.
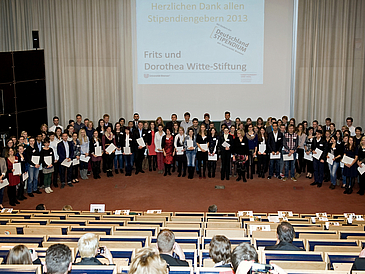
(79, 124)
(360, 163)
(336, 149)
(180, 157)
(290, 147)
(107, 140)
(84, 150)
(159, 152)
(190, 148)
(140, 132)
(186, 123)
(128, 141)
(202, 154)
(227, 121)
(212, 151)
(152, 156)
(350, 170)
(95, 159)
(168, 151)
(252, 146)
(24, 167)
(48, 168)
(14, 180)
(32, 150)
(119, 135)
(240, 153)
(274, 147)
(225, 143)
(65, 153)
(318, 164)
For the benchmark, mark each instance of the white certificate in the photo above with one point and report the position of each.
(127, 150)
(213, 157)
(4, 183)
(361, 169)
(84, 158)
(110, 148)
(98, 151)
(347, 160)
(48, 160)
(203, 146)
(225, 144)
(342, 165)
(179, 151)
(286, 157)
(25, 176)
(75, 162)
(262, 148)
(35, 160)
(66, 163)
(140, 142)
(330, 159)
(17, 169)
(118, 152)
(308, 157)
(190, 143)
(318, 154)
(274, 156)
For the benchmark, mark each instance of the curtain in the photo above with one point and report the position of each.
(330, 66)
(88, 53)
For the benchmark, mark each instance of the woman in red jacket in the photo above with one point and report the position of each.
(14, 180)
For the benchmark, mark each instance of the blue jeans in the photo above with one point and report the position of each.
(318, 171)
(281, 163)
(292, 166)
(274, 167)
(333, 172)
(1, 195)
(128, 163)
(33, 179)
(190, 156)
(120, 159)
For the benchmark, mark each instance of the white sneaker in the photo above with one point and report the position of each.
(46, 190)
(50, 190)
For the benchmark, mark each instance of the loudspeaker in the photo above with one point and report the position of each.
(35, 39)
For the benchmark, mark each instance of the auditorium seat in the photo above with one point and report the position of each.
(274, 255)
(94, 269)
(359, 227)
(269, 242)
(181, 270)
(183, 229)
(228, 232)
(346, 234)
(139, 239)
(340, 257)
(316, 236)
(263, 234)
(23, 269)
(8, 229)
(154, 230)
(190, 214)
(21, 239)
(68, 222)
(108, 230)
(223, 225)
(319, 233)
(107, 222)
(83, 217)
(121, 256)
(196, 241)
(29, 221)
(146, 223)
(44, 230)
(190, 219)
(51, 215)
(208, 270)
(300, 265)
(329, 248)
(184, 224)
(234, 241)
(311, 243)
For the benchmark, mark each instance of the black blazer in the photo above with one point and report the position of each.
(272, 145)
(229, 141)
(338, 150)
(171, 261)
(137, 136)
(284, 246)
(322, 145)
(29, 152)
(240, 148)
(92, 145)
(118, 138)
(359, 264)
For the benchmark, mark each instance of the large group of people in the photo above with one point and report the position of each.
(167, 253)
(280, 147)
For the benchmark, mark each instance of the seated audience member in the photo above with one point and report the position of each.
(213, 208)
(20, 254)
(67, 208)
(243, 258)
(147, 261)
(41, 207)
(285, 234)
(220, 251)
(58, 259)
(88, 246)
(359, 263)
(167, 246)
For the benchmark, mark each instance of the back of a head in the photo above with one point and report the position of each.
(165, 240)
(243, 252)
(67, 208)
(88, 244)
(147, 261)
(285, 232)
(19, 254)
(40, 207)
(212, 208)
(58, 259)
(220, 249)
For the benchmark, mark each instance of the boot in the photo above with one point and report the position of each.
(347, 187)
(352, 185)
(209, 171)
(111, 173)
(184, 172)
(191, 172)
(169, 169)
(165, 170)
(116, 171)
(239, 175)
(179, 170)
(173, 168)
(244, 176)
(95, 173)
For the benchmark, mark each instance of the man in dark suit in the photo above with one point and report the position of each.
(274, 147)
(170, 124)
(140, 132)
(285, 234)
(359, 263)
(318, 165)
(167, 247)
(135, 121)
(65, 152)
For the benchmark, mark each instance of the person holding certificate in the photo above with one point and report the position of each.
(118, 135)
(252, 146)
(290, 145)
(95, 144)
(225, 143)
(47, 160)
(140, 140)
(190, 147)
(240, 153)
(159, 152)
(152, 156)
(84, 149)
(274, 147)
(300, 163)
(262, 153)
(180, 152)
(212, 152)
(76, 148)
(32, 156)
(202, 154)
(127, 145)
(24, 169)
(319, 150)
(14, 180)
(308, 150)
(65, 154)
(168, 151)
(361, 164)
(108, 140)
(336, 152)
(350, 169)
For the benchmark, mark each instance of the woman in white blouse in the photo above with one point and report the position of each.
(158, 142)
